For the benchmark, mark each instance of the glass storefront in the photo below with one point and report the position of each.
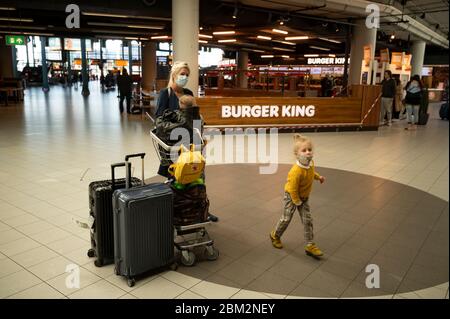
(63, 56)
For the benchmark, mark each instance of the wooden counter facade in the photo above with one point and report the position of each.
(329, 112)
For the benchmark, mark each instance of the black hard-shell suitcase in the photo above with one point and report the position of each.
(443, 111)
(143, 230)
(101, 216)
(423, 111)
(423, 118)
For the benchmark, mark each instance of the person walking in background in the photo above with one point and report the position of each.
(413, 99)
(102, 82)
(125, 84)
(75, 80)
(387, 97)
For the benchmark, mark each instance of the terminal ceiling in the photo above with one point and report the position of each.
(320, 20)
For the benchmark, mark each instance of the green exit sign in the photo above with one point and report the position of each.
(15, 40)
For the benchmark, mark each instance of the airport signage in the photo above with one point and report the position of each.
(326, 61)
(15, 40)
(273, 111)
(261, 111)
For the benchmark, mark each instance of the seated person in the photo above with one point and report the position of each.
(170, 120)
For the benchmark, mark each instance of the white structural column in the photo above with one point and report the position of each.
(418, 55)
(361, 37)
(242, 64)
(185, 16)
(148, 65)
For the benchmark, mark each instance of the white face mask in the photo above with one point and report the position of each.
(182, 80)
(305, 160)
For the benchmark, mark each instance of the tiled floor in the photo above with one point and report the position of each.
(405, 238)
(385, 202)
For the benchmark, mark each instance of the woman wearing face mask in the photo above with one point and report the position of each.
(168, 97)
(169, 100)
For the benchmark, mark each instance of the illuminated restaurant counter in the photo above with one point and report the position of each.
(359, 111)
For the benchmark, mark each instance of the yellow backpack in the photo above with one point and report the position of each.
(189, 166)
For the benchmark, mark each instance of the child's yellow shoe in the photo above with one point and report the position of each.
(276, 242)
(313, 250)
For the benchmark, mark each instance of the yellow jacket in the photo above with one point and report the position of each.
(299, 182)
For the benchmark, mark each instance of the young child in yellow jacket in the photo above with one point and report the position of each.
(297, 190)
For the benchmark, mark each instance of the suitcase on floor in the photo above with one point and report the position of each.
(443, 111)
(101, 216)
(143, 230)
(423, 118)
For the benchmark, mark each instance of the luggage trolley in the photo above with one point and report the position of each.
(190, 236)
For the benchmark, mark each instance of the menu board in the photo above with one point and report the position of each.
(427, 71)
(338, 70)
(396, 59)
(328, 71)
(316, 70)
(71, 44)
(384, 55)
(407, 61)
(367, 54)
(121, 62)
(54, 43)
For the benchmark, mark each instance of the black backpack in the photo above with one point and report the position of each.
(165, 124)
(171, 120)
(413, 98)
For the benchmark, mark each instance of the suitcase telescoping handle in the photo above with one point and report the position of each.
(141, 155)
(128, 177)
(113, 168)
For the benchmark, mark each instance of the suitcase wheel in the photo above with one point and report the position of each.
(131, 282)
(173, 266)
(98, 263)
(187, 258)
(91, 253)
(211, 253)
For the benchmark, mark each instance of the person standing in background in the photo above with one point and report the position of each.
(413, 99)
(125, 84)
(398, 101)
(387, 97)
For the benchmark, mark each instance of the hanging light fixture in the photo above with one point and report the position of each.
(235, 13)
